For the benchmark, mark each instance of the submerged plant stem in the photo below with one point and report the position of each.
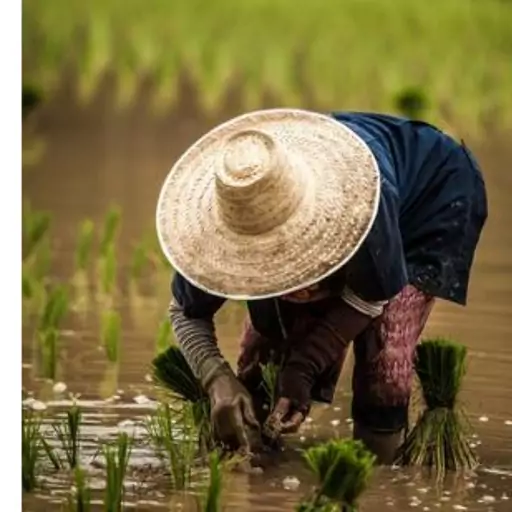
(68, 433)
(117, 457)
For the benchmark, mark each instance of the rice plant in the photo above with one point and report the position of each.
(41, 260)
(117, 457)
(440, 438)
(28, 285)
(33, 291)
(140, 259)
(68, 434)
(108, 269)
(84, 244)
(173, 434)
(164, 336)
(265, 59)
(270, 375)
(110, 230)
(55, 308)
(172, 372)
(210, 501)
(33, 448)
(110, 334)
(30, 450)
(80, 498)
(35, 226)
(343, 468)
(48, 343)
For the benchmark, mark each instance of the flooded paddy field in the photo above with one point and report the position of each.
(96, 158)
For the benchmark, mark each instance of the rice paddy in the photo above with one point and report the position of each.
(172, 432)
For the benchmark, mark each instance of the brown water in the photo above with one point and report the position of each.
(94, 157)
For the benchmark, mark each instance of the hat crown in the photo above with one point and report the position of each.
(256, 187)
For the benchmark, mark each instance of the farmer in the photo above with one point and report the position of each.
(334, 229)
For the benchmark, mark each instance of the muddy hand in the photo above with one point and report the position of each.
(233, 416)
(284, 419)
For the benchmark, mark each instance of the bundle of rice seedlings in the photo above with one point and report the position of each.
(172, 372)
(440, 438)
(343, 468)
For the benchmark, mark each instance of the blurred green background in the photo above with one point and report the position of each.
(447, 60)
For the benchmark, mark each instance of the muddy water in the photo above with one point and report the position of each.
(97, 156)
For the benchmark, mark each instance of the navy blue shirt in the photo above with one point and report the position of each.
(432, 209)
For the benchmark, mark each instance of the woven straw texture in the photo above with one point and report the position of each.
(268, 203)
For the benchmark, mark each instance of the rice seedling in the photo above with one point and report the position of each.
(35, 226)
(110, 333)
(173, 434)
(80, 498)
(440, 438)
(210, 501)
(68, 434)
(270, 375)
(33, 447)
(172, 372)
(42, 259)
(117, 457)
(140, 259)
(33, 292)
(28, 285)
(84, 244)
(164, 336)
(30, 450)
(110, 230)
(55, 308)
(343, 468)
(48, 342)
(108, 269)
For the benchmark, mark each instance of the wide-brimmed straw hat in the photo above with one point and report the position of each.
(268, 203)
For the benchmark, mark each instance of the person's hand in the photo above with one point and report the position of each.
(293, 404)
(232, 412)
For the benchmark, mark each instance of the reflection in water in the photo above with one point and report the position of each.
(96, 157)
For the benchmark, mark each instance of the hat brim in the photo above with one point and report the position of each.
(335, 216)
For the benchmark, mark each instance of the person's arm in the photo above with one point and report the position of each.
(191, 313)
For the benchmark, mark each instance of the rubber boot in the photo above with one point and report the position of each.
(383, 444)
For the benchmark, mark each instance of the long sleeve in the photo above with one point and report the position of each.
(191, 313)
